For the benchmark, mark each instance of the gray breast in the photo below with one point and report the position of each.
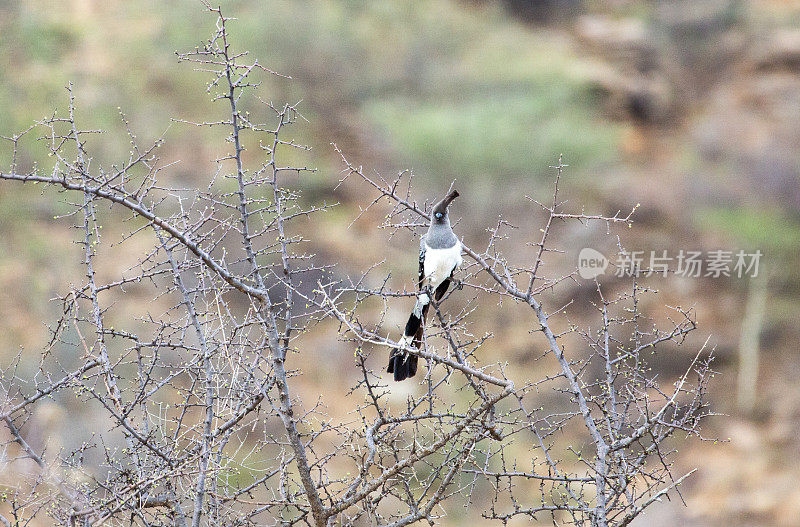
(440, 237)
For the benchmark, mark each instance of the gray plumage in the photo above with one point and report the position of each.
(440, 235)
(439, 256)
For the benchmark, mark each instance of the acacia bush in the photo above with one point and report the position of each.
(200, 414)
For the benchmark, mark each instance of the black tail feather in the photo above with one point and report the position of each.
(415, 322)
(412, 365)
(402, 363)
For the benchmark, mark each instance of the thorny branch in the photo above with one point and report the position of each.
(207, 416)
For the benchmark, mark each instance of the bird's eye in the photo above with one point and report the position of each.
(438, 214)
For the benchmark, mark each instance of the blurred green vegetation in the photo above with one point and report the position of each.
(772, 230)
(455, 92)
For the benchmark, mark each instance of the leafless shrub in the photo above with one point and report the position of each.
(203, 420)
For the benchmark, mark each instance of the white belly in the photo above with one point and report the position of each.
(439, 264)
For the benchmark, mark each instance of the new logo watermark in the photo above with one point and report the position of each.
(691, 264)
(591, 263)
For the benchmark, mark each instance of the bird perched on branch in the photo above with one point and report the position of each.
(439, 256)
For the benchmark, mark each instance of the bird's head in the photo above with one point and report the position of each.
(440, 210)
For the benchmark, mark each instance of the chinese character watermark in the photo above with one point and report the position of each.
(689, 264)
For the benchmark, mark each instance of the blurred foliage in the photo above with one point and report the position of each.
(769, 230)
(455, 92)
(506, 136)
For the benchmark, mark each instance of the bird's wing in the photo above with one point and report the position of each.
(421, 261)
